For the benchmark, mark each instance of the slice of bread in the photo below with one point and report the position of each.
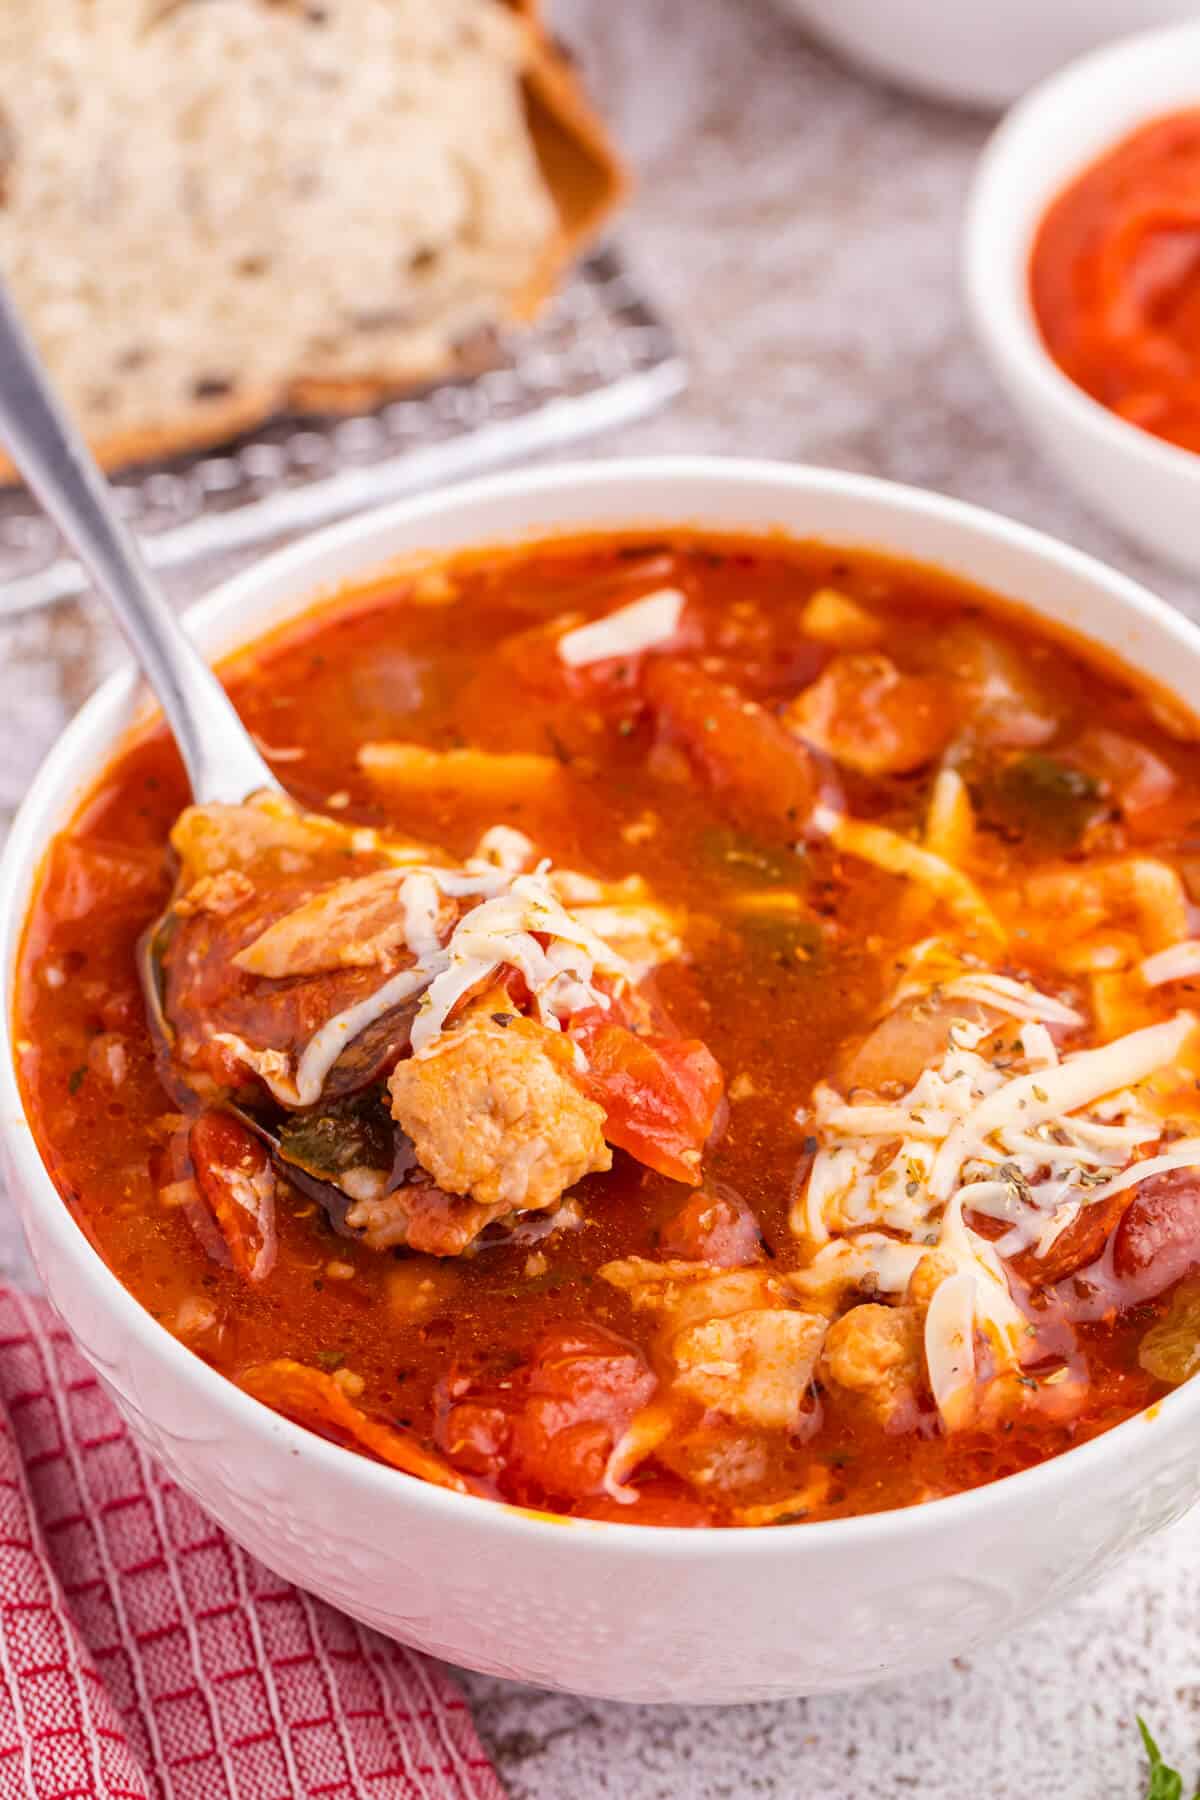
(216, 210)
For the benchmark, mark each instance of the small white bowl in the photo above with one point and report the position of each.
(972, 55)
(1149, 488)
(628, 1612)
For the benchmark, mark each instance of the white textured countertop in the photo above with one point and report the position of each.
(800, 227)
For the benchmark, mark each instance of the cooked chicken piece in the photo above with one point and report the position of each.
(383, 1221)
(493, 1113)
(875, 1352)
(1007, 701)
(869, 716)
(754, 1366)
(714, 1458)
(878, 1351)
(732, 1339)
(209, 839)
(842, 622)
(217, 894)
(685, 1293)
(271, 831)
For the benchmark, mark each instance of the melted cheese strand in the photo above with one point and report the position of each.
(995, 1309)
(1176, 963)
(1017, 998)
(950, 1350)
(900, 856)
(850, 1261)
(641, 625)
(950, 818)
(324, 1048)
(500, 934)
(1183, 1154)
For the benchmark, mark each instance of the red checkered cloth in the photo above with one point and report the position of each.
(142, 1654)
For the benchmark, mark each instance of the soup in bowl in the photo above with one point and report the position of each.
(695, 1080)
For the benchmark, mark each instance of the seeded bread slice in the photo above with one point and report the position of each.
(215, 210)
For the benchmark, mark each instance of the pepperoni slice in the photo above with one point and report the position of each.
(1158, 1239)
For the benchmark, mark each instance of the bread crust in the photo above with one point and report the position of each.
(586, 180)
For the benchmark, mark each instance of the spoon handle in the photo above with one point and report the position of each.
(218, 752)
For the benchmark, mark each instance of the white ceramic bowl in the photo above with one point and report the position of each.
(623, 1611)
(972, 54)
(1149, 488)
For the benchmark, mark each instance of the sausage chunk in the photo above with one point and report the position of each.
(494, 1113)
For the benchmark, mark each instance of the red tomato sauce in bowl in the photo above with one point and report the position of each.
(1115, 279)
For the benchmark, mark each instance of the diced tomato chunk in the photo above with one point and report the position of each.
(92, 880)
(548, 1432)
(715, 1226)
(660, 1094)
(1158, 1239)
(765, 778)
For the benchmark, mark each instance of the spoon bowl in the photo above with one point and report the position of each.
(222, 761)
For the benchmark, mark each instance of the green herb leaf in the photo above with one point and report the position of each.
(790, 940)
(76, 1078)
(1038, 797)
(1165, 1783)
(357, 1133)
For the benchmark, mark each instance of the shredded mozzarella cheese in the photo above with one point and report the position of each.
(500, 934)
(1176, 963)
(1043, 1095)
(900, 856)
(1028, 1139)
(628, 631)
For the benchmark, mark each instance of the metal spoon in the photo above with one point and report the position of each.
(222, 762)
(218, 752)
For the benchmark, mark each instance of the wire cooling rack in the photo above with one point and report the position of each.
(598, 356)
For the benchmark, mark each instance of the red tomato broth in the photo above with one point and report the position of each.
(1115, 279)
(775, 1003)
